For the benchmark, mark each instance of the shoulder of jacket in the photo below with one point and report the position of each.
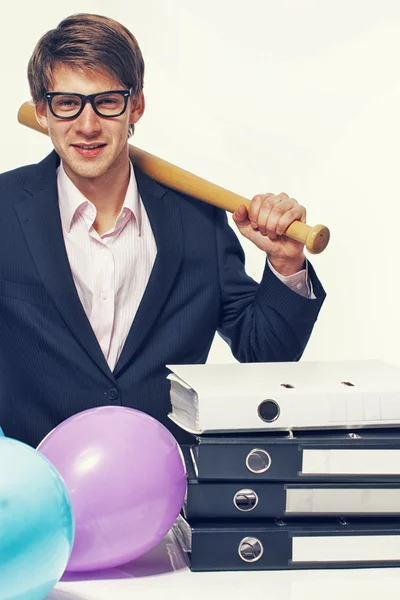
(17, 176)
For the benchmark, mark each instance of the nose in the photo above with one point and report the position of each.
(88, 123)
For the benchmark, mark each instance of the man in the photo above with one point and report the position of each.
(107, 276)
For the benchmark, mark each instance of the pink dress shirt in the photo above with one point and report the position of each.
(111, 271)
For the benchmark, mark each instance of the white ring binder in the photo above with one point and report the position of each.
(268, 410)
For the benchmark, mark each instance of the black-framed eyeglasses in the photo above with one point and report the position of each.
(108, 104)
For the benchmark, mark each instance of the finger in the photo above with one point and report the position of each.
(297, 213)
(241, 219)
(240, 216)
(255, 206)
(271, 211)
(274, 216)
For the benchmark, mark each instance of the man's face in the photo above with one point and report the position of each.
(72, 138)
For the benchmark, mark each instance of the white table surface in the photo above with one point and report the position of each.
(162, 573)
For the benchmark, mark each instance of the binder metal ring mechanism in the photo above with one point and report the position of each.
(245, 500)
(250, 549)
(258, 461)
(268, 410)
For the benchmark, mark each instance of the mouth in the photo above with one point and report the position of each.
(89, 150)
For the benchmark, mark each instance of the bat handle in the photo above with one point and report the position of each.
(315, 238)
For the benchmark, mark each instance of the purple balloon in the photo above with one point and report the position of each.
(126, 478)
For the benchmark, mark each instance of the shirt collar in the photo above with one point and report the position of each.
(72, 201)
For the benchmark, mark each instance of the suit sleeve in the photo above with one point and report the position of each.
(263, 322)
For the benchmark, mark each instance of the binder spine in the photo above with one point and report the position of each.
(296, 461)
(208, 500)
(233, 551)
(266, 550)
(241, 502)
(249, 462)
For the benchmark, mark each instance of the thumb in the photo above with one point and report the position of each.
(242, 221)
(249, 231)
(241, 217)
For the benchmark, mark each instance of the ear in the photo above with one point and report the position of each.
(41, 114)
(137, 109)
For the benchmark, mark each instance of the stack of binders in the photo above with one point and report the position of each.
(295, 465)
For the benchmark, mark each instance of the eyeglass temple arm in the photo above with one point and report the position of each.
(315, 238)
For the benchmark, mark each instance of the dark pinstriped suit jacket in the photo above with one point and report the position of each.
(51, 365)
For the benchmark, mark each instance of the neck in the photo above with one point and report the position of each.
(106, 192)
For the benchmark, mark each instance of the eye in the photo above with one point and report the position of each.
(109, 104)
(66, 102)
(108, 100)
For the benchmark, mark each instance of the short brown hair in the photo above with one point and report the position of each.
(88, 42)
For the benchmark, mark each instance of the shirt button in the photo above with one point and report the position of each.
(299, 286)
(103, 296)
(112, 394)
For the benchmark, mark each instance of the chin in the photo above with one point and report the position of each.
(90, 172)
(87, 169)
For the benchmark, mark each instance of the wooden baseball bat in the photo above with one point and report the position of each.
(315, 238)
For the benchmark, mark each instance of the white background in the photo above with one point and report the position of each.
(301, 96)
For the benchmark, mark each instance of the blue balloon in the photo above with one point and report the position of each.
(36, 523)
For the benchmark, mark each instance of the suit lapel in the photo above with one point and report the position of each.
(165, 219)
(40, 220)
(39, 217)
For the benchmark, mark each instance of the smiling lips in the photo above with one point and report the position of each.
(89, 150)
